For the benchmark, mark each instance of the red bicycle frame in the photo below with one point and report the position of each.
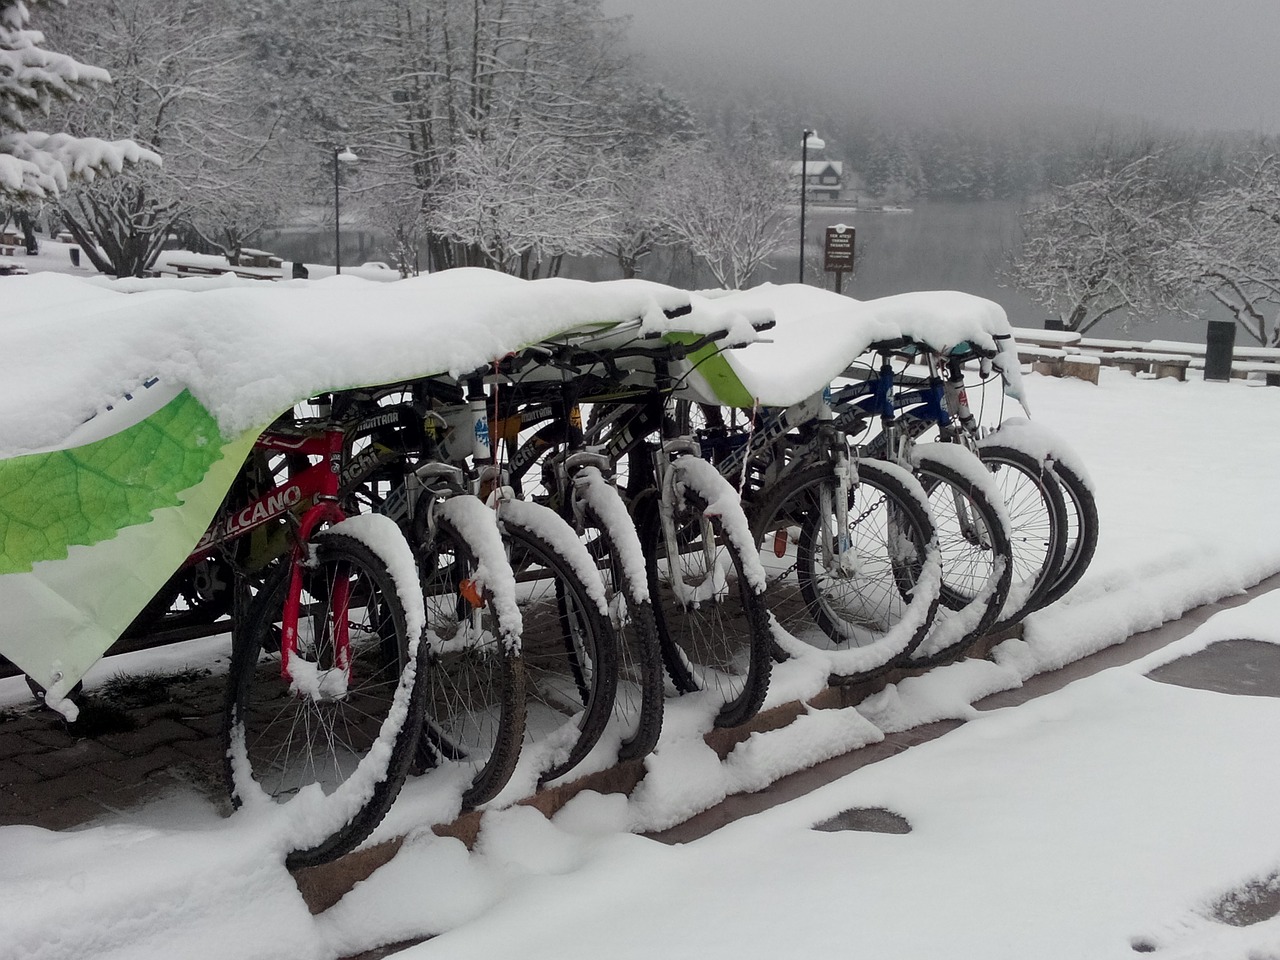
(318, 486)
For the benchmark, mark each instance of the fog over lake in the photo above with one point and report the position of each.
(1159, 66)
(947, 246)
(1204, 63)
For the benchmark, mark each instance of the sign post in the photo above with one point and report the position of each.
(837, 251)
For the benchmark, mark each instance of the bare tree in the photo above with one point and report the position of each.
(1232, 251)
(655, 126)
(182, 87)
(728, 204)
(1103, 244)
(520, 204)
(397, 208)
(639, 186)
(431, 87)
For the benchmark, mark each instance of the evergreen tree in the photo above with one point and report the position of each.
(32, 79)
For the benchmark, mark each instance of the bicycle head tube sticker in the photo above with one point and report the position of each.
(481, 445)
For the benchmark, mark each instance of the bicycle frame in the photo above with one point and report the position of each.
(908, 413)
(316, 485)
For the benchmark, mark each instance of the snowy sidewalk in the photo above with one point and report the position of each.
(1114, 817)
(1113, 814)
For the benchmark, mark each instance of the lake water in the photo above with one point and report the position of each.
(948, 246)
(937, 246)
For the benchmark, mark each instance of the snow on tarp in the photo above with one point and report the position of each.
(248, 350)
(820, 333)
(127, 407)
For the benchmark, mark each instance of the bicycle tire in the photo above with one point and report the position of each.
(475, 707)
(1037, 520)
(977, 555)
(719, 643)
(611, 539)
(1082, 532)
(881, 618)
(568, 646)
(274, 732)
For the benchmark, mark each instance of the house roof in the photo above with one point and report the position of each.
(817, 167)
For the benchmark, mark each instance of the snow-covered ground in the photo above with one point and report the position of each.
(55, 256)
(1109, 815)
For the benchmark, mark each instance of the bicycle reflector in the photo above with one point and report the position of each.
(471, 592)
(780, 542)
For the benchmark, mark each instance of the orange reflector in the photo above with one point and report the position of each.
(780, 542)
(470, 591)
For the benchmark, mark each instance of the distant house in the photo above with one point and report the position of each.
(824, 179)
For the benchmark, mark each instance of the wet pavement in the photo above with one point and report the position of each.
(1242, 667)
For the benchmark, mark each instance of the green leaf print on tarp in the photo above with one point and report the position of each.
(84, 495)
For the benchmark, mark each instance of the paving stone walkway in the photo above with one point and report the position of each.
(137, 739)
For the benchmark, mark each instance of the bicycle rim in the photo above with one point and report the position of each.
(568, 650)
(321, 727)
(712, 627)
(474, 693)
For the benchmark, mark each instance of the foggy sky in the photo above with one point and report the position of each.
(1203, 63)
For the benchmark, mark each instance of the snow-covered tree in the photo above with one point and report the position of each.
(655, 126)
(520, 204)
(1103, 244)
(728, 205)
(182, 86)
(637, 191)
(430, 88)
(35, 164)
(1232, 251)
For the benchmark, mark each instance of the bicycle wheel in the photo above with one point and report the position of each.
(977, 553)
(350, 731)
(873, 601)
(474, 696)
(708, 594)
(722, 433)
(568, 646)
(1081, 532)
(614, 545)
(1037, 521)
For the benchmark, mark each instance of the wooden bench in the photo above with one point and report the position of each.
(1049, 362)
(1081, 367)
(1270, 370)
(1044, 360)
(1158, 364)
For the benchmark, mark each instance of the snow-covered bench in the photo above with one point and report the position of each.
(1054, 339)
(1064, 362)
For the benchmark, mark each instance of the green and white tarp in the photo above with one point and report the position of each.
(127, 408)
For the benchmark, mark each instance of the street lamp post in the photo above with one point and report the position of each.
(343, 155)
(810, 139)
